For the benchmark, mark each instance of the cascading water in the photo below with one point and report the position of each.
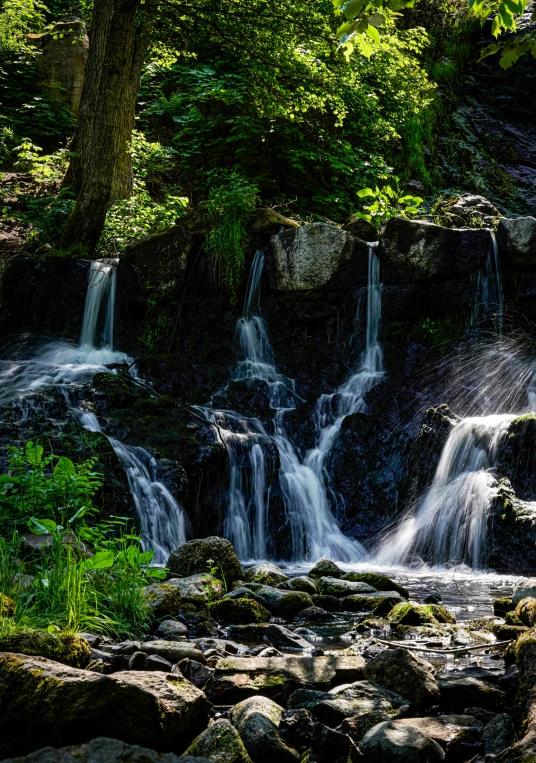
(488, 294)
(314, 530)
(60, 364)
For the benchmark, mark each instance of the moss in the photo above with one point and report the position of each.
(326, 568)
(441, 614)
(411, 614)
(7, 606)
(113, 387)
(70, 650)
(511, 618)
(525, 612)
(239, 612)
(372, 624)
(162, 599)
(505, 632)
(379, 582)
(502, 606)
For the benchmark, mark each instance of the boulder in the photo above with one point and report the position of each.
(526, 611)
(269, 222)
(326, 568)
(441, 614)
(278, 602)
(301, 583)
(331, 603)
(498, 734)
(162, 599)
(356, 726)
(459, 735)
(415, 250)
(516, 238)
(315, 615)
(160, 261)
(105, 750)
(524, 592)
(501, 607)
(329, 745)
(171, 630)
(282, 637)
(406, 674)
(154, 662)
(198, 589)
(70, 650)
(257, 721)
(296, 728)
(174, 651)
(380, 604)
(468, 211)
(392, 742)
(45, 702)
(459, 693)
(377, 581)
(221, 743)
(314, 255)
(239, 612)
(411, 614)
(329, 586)
(346, 701)
(265, 573)
(195, 672)
(361, 229)
(197, 556)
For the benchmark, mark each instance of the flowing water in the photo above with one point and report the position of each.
(64, 365)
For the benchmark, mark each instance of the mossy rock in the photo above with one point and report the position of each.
(301, 583)
(219, 743)
(200, 555)
(511, 618)
(162, 599)
(379, 582)
(372, 624)
(326, 568)
(70, 650)
(441, 614)
(7, 606)
(239, 612)
(331, 603)
(265, 574)
(501, 607)
(411, 614)
(378, 605)
(526, 612)
(506, 632)
(115, 389)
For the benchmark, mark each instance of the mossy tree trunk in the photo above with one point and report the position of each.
(100, 170)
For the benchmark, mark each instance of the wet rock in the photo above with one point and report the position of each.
(313, 255)
(346, 701)
(223, 645)
(329, 586)
(406, 674)
(526, 611)
(498, 734)
(248, 632)
(460, 736)
(196, 556)
(257, 721)
(415, 250)
(458, 693)
(392, 742)
(220, 743)
(502, 606)
(195, 672)
(171, 630)
(434, 598)
(148, 708)
(379, 605)
(331, 603)
(198, 589)
(506, 632)
(329, 745)
(517, 241)
(469, 211)
(239, 612)
(163, 599)
(325, 568)
(315, 615)
(174, 651)
(137, 661)
(160, 261)
(281, 603)
(302, 583)
(357, 726)
(70, 650)
(411, 614)
(296, 728)
(509, 683)
(282, 637)
(265, 573)
(442, 614)
(378, 582)
(361, 229)
(154, 662)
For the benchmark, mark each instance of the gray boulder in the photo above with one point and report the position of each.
(283, 637)
(221, 743)
(329, 586)
(174, 651)
(459, 693)
(161, 260)
(162, 598)
(198, 589)
(406, 674)
(459, 735)
(277, 601)
(516, 238)
(199, 675)
(171, 630)
(524, 592)
(399, 744)
(326, 568)
(257, 721)
(197, 556)
(265, 573)
(498, 734)
(301, 583)
(469, 211)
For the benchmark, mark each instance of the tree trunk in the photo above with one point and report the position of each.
(100, 171)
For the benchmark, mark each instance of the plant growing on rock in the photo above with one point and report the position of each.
(387, 202)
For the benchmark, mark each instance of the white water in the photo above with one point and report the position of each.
(314, 530)
(488, 293)
(61, 364)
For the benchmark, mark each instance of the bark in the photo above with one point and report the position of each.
(100, 170)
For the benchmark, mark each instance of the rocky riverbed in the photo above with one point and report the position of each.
(253, 664)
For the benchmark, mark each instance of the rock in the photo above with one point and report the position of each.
(105, 750)
(328, 745)
(69, 650)
(174, 650)
(498, 734)
(357, 725)
(392, 742)
(195, 672)
(379, 605)
(313, 255)
(163, 599)
(361, 229)
(265, 573)
(458, 693)
(198, 589)
(193, 558)
(516, 239)
(296, 728)
(346, 701)
(45, 702)
(315, 615)
(268, 222)
(221, 743)
(415, 250)
(125, 648)
(441, 614)
(460, 736)
(378, 582)
(469, 211)
(257, 721)
(411, 614)
(281, 603)
(154, 662)
(171, 630)
(329, 586)
(248, 632)
(326, 568)
(331, 603)
(268, 651)
(302, 583)
(509, 683)
(137, 661)
(434, 598)
(526, 611)
(7, 606)
(236, 678)
(406, 674)
(502, 606)
(239, 612)
(282, 637)
(160, 261)
(506, 632)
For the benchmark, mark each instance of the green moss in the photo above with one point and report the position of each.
(441, 614)
(162, 599)
(502, 606)
(7, 606)
(379, 582)
(525, 612)
(411, 614)
(372, 624)
(70, 650)
(113, 387)
(239, 612)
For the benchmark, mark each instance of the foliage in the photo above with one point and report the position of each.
(388, 202)
(505, 13)
(230, 206)
(363, 17)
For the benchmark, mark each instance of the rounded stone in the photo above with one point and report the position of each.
(204, 554)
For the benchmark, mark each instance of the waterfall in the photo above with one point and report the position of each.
(488, 294)
(303, 484)
(98, 322)
(450, 523)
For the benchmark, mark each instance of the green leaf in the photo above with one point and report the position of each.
(364, 192)
(100, 560)
(64, 468)
(373, 33)
(156, 572)
(42, 526)
(34, 453)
